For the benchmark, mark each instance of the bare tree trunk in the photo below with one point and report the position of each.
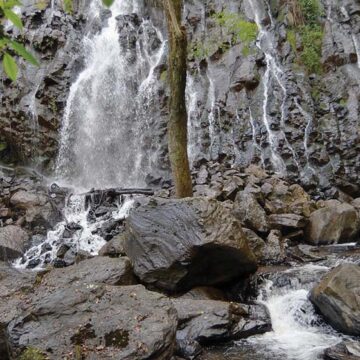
(177, 125)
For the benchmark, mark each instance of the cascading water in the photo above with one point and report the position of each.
(102, 117)
(299, 333)
(105, 125)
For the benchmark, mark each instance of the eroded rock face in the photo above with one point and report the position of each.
(332, 224)
(179, 244)
(32, 107)
(337, 298)
(106, 322)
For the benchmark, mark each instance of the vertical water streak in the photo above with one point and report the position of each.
(273, 72)
(254, 136)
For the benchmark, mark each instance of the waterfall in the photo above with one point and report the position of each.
(104, 118)
(298, 333)
(107, 124)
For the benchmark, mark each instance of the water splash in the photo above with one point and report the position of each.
(298, 333)
(85, 238)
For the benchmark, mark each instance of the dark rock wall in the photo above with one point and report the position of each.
(315, 122)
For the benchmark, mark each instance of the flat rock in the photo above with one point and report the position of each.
(337, 298)
(204, 293)
(179, 244)
(97, 270)
(287, 221)
(97, 322)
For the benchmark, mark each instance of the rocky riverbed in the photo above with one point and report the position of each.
(179, 277)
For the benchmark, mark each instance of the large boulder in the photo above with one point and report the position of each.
(15, 287)
(334, 223)
(337, 298)
(180, 244)
(94, 321)
(13, 240)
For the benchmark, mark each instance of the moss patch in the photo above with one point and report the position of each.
(32, 354)
(118, 338)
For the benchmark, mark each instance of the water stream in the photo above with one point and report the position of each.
(299, 333)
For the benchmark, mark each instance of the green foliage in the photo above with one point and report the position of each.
(108, 3)
(68, 6)
(343, 102)
(308, 13)
(32, 354)
(7, 43)
(234, 29)
(312, 41)
(291, 38)
(243, 30)
(164, 76)
(311, 11)
(10, 66)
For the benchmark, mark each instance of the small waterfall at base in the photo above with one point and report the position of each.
(299, 333)
(105, 130)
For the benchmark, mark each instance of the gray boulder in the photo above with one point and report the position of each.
(337, 298)
(179, 244)
(97, 322)
(206, 321)
(114, 247)
(332, 224)
(15, 287)
(13, 240)
(249, 212)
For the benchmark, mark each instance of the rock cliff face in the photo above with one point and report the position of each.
(275, 101)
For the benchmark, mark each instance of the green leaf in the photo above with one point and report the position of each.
(14, 18)
(9, 4)
(108, 3)
(20, 49)
(68, 6)
(10, 66)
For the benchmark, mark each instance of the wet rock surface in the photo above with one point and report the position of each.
(177, 245)
(337, 298)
